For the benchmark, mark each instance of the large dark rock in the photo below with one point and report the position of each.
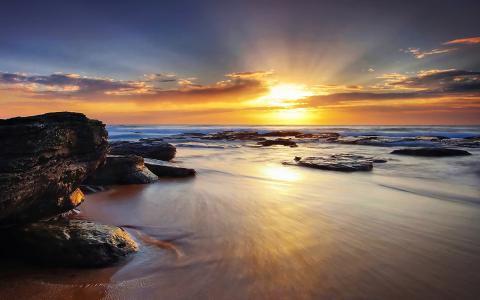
(43, 159)
(71, 243)
(431, 152)
(166, 169)
(281, 142)
(336, 162)
(147, 148)
(118, 169)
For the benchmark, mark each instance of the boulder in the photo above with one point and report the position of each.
(281, 142)
(336, 162)
(431, 152)
(147, 148)
(43, 159)
(166, 169)
(121, 169)
(76, 243)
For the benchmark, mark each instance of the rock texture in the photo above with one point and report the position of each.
(431, 152)
(165, 169)
(146, 148)
(121, 169)
(336, 162)
(43, 159)
(72, 243)
(281, 142)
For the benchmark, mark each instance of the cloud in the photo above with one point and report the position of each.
(464, 41)
(421, 54)
(251, 75)
(235, 87)
(427, 84)
(458, 43)
(161, 77)
(70, 85)
(441, 81)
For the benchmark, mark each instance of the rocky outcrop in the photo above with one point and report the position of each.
(121, 169)
(77, 243)
(282, 133)
(166, 169)
(146, 148)
(234, 136)
(281, 142)
(431, 152)
(256, 136)
(43, 159)
(336, 162)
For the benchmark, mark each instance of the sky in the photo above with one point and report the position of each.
(243, 62)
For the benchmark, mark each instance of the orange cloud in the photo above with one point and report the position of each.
(467, 41)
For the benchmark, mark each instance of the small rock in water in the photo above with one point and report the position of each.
(147, 148)
(336, 162)
(118, 169)
(77, 243)
(431, 152)
(281, 142)
(165, 169)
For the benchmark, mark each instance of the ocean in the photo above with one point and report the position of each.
(249, 227)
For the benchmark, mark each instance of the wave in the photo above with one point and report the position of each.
(129, 132)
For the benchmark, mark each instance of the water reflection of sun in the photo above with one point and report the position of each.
(282, 173)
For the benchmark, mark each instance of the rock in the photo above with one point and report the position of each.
(147, 148)
(337, 162)
(166, 169)
(234, 135)
(468, 142)
(43, 159)
(118, 169)
(282, 133)
(431, 152)
(76, 243)
(282, 142)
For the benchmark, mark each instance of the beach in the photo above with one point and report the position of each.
(249, 227)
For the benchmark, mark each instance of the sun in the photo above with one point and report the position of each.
(286, 94)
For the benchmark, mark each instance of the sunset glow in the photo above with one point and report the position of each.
(260, 73)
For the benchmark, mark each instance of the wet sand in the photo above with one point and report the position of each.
(251, 228)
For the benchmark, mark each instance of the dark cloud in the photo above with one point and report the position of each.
(67, 84)
(235, 87)
(425, 85)
(442, 81)
(161, 77)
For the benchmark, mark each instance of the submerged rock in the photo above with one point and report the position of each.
(281, 142)
(166, 169)
(72, 243)
(119, 169)
(43, 159)
(468, 142)
(147, 148)
(282, 133)
(431, 152)
(234, 135)
(336, 162)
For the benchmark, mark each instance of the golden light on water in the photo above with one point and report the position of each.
(281, 173)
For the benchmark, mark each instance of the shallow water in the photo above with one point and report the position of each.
(248, 227)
